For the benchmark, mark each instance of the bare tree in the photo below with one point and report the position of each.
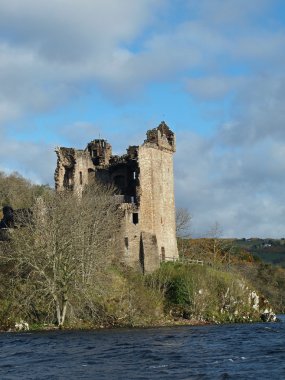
(183, 219)
(213, 242)
(212, 248)
(67, 242)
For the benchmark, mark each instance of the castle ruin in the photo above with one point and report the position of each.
(145, 182)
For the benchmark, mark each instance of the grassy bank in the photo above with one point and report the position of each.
(175, 294)
(243, 258)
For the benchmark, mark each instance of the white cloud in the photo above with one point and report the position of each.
(77, 135)
(213, 87)
(49, 52)
(47, 49)
(227, 12)
(33, 160)
(239, 189)
(257, 112)
(61, 29)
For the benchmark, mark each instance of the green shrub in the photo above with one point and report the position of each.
(203, 293)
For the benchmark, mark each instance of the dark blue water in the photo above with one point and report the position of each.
(249, 351)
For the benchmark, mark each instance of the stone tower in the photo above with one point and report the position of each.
(145, 182)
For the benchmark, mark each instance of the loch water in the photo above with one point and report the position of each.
(234, 351)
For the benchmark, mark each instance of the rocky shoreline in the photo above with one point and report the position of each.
(22, 326)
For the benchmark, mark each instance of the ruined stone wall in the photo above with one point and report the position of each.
(83, 165)
(139, 248)
(144, 181)
(149, 257)
(157, 207)
(130, 236)
(72, 171)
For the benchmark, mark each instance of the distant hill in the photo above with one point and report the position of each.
(270, 251)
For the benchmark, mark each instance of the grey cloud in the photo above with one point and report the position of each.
(227, 12)
(239, 189)
(213, 87)
(51, 50)
(259, 47)
(60, 30)
(196, 45)
(257, 112)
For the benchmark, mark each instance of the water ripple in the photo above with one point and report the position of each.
(247, 351)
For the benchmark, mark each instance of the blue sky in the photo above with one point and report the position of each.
(212, 69)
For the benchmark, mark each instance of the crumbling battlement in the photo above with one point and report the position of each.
(100, 152)
(161, 137)
(144, 180)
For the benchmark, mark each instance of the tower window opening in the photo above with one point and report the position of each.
(135, 218)
(94, 153)
(134, 175)
(68, 178)
(162, 254)
(126, 244)
(80, 178)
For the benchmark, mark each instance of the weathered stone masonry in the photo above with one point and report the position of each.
(144, 178)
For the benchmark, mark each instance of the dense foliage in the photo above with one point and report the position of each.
(18, 192)
(235, 256)
(203, 293)
(61, 267)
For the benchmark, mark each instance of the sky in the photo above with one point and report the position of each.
(73, 71)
